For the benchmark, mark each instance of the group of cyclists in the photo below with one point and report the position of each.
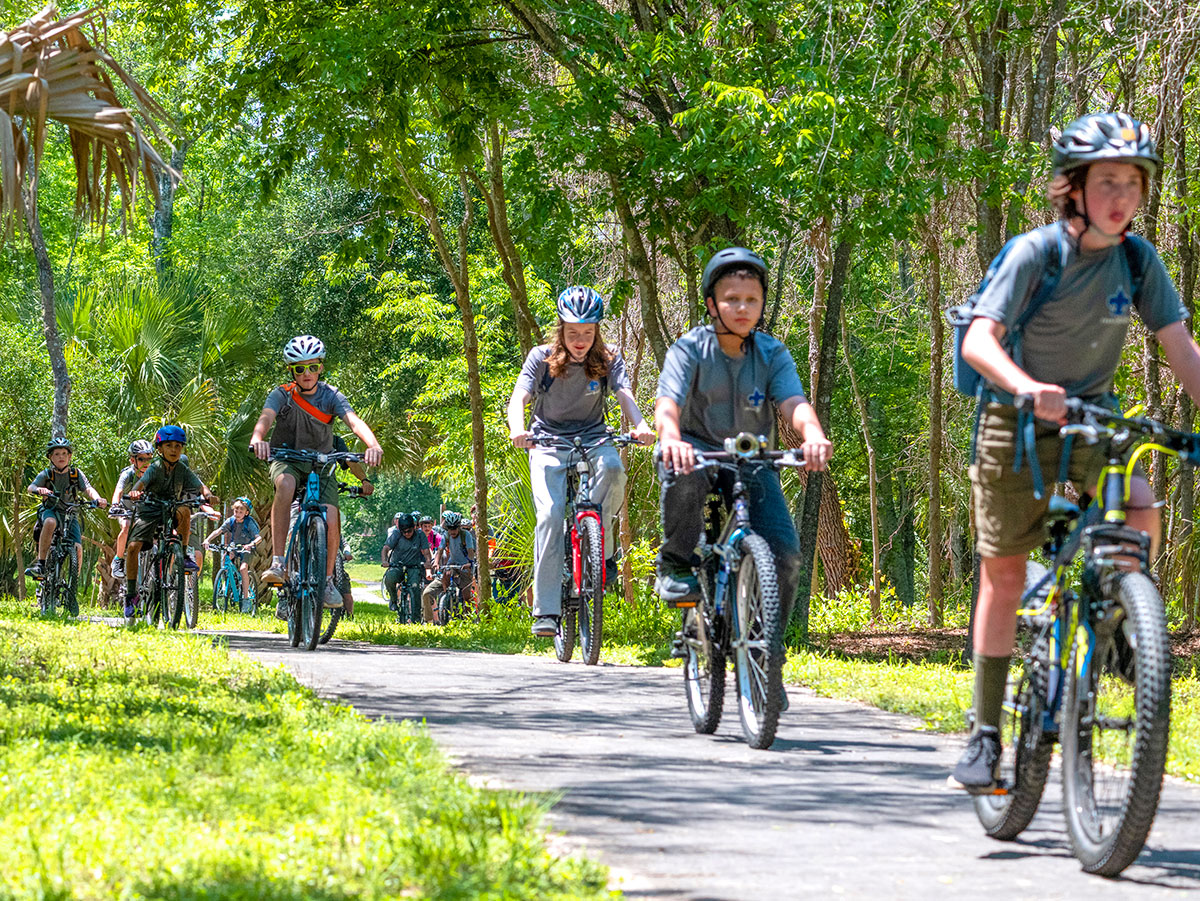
(729, 377)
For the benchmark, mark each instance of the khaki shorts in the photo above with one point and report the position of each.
(329, 492)
(1009, 520)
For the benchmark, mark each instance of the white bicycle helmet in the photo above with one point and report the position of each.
(139, 447)
(304, 347)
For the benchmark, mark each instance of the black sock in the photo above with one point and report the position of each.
(991, 677)
(130, 587)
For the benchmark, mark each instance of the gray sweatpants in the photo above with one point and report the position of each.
(548, 476)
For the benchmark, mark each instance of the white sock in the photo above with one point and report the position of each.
(277, 562)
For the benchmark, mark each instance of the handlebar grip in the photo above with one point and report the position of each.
(1024, 403)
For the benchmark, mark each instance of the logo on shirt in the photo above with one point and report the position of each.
(755, 399)
(1119, 303)
(593, 386)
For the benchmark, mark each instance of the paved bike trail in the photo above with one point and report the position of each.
(850, 802)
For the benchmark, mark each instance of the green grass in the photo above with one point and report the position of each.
(136, 763)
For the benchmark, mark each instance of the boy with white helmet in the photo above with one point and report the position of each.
(141, 452)
(302, 414)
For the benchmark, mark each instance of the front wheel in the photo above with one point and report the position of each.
(312, 583)
(1116, 724)
(175, 580)
(591, 590)
(50, 588)
(757, 643)
(222, 591)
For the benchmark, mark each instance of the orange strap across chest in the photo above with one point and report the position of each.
(294, 393)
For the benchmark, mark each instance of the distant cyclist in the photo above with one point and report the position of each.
(568, 382)
(58, 483)
(457, 549)
(406, 548)
(240, 530)
(141, 452)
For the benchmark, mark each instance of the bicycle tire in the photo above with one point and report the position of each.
(335, 617)
(151, 594)
(175, 579)
(221, 592)
(591, 591)
(703, 669)
(70, 596)
(312, 589)
(757, 643)
(1108, 822)
(191, 600)
(48, 598)
(1025, 762)
(289, 592)
(445, 608)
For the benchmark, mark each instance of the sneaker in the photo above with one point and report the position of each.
(977, 769)
(545, 627)
(333, 597)
(392, 606)
(610, 571)
(118, 568)
(275, 575)
(131, 605)
(37, 571)
(189, 565)
(678, 589)
(281, 609)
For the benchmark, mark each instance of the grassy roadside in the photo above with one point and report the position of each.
(144, 764)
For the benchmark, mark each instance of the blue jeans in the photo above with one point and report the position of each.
(682, 504)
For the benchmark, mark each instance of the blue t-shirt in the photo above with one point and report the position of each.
(240, 533)
(720, 396)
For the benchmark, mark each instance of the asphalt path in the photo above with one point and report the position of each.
(850, 802)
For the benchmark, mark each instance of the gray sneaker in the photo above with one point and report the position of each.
(333, 597)
(545, 627)
(274, 576)
(118, 568)
(678, 589)
(976, 770)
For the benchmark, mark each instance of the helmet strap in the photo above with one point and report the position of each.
(722, 329)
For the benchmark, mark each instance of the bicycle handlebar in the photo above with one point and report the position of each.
(294, 455)
(617, 440)
(1093, 422)
(352, 490)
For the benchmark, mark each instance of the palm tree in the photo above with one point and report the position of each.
(50, 71)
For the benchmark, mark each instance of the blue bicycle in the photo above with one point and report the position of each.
(227, 590)
(303, 588)
(740, 613)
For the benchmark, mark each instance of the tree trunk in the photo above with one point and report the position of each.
(1187, 291)
(989, 216)
(626, 524)
(823, 401)
(818, 239)
(872, 480)
(54, 347)
(639, 262)
(937, 334)
(17, 537)
(162, 222)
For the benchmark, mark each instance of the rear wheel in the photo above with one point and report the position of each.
(591, 591)
(757, 643)
(312, 589)
(1115, 725)
(335, 617)
(703, 669)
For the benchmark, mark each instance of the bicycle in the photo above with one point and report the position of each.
(228, 586)
(1095, 663)
(119, 590)
(408, 600)
(340, 579)
(451, 603)
(162, 586)
(60, 586)
(303, 588)
(740, 613)
(583, 565)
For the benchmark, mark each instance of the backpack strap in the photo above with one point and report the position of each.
(293, 391)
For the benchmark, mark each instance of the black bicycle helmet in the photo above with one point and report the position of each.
(1105, 136)
(580, 304)
(406, 522)
(451, 520)
(731, 258)
(56, 443)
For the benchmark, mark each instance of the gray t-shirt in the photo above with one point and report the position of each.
(61, 484)
(456, 547)
(406, 551)
(573, 405)
(299, 429)
(720, 396)
(126, 480)
(1075, 339)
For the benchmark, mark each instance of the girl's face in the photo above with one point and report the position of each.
(305, 375)
(739, 301)
(579, 338)
(1111, 195)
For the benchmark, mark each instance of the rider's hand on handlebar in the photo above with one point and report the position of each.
(135, 495)
(677, 455)
(261, 449)
(643, 435)
(101, 502)
(45, 492)
(521, 439)
(1049, 402)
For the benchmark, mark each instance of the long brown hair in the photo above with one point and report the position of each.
(597, 361)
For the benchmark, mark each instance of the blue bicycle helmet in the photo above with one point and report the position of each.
(169, 433)
(580, 304)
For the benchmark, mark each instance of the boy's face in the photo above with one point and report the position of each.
(60, 457)
(426, 527)
(239, 512)
(171, 451)
(1112, 193)
(305, 375)
(739, 302)
(140, 462)
(579, 338)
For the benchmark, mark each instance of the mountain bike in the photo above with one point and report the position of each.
(303, 588)
(227, 590)
(740, 613)
(583, 550)
(60, 586)
(119, 591)
(162, 587)
(408, 592)
(340, 579)
(451, 603)
(1094, 668)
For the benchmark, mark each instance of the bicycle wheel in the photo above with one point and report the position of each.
(152, 592)
(335, 617)
(703, 668)
(1025, 762)
(445, 607)
(48, 588)
(757, 643)
(70, 583)
(191, 600)
(1115, 725)
(222, 591)
(175, 580)
(312, 583)
(591, 591)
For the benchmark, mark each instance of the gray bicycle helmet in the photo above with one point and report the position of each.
(304, 347)
(56, 443)
(731, 258)
(451, 520)
(1105, 136)
(140, 446)
(580, 304)
(426, 519)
